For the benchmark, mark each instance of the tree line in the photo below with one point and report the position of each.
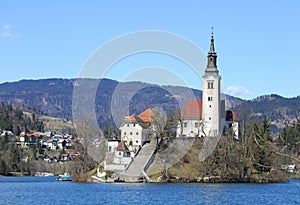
(257, 156)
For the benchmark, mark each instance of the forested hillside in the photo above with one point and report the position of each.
(53, 97)
(281, 112)
(13, 119)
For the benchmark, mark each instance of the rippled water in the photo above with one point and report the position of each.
(46, 190)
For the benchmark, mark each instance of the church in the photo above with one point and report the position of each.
(208, 117)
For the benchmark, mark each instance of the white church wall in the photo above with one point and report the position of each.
(191, 128)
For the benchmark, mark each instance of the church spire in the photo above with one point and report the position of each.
(212, 56)
(212, 43)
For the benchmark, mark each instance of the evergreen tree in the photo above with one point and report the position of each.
(15, 157)
(2, 167)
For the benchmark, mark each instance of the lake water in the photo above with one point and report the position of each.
(46, 190)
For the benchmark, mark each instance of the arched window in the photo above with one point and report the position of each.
(210, 85)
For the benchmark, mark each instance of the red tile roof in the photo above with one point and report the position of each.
(146, 115)
(122, 146)
(192, 110)
(138, 120)
(131, 118)
(23, 134)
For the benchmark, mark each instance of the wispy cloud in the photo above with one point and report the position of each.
(6, 31)
(239, 91)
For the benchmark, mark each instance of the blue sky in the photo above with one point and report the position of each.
(257, 42)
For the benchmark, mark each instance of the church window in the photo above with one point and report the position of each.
(130, 133)
(210, 98)
(196, 124)
(185, 124)
(210, 118)
(133, 124)
(210, 85)
(137, 133)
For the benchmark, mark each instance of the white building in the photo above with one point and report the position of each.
(134, 131)
(190, 123)
(121, 158)
(112, 145)
(207, 117)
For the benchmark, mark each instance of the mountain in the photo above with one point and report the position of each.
(50, 96)
(279, 111)
(53, 97)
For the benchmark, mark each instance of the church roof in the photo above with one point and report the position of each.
(192, 110)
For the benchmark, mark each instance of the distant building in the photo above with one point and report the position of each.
(7, 133)
(29, 139)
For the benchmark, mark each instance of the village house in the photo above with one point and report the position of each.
(50, 159)
(112, 145)
(29, 139)
(7, 133)
(121, 158)
(65, 157)
(135, 130)
(51, 144)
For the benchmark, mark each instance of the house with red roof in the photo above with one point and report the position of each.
(29, 139)
(136, 130)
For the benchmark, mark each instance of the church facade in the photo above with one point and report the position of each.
(208, 117)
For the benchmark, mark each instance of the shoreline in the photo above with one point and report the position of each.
(178, 180)
(111, 181)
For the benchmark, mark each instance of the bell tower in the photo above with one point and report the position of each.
(211, 102)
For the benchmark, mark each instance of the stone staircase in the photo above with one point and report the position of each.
(135, 170)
